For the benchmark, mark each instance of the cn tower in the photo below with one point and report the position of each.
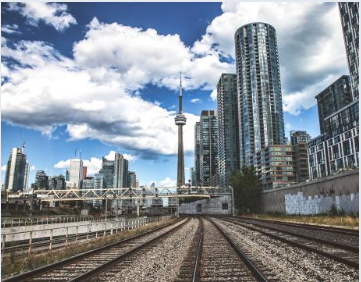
(180, 120)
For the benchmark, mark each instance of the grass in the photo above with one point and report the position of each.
(337, 221)
(13, 265)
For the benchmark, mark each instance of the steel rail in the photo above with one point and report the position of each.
(345, 231)
(42, 270)
(195, 277)
(305, 247)
(323, 241)
(93, 272)
(251, 266)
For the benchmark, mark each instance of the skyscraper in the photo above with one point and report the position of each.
(120, 171)
(208, 147)
(299, 140)
(41, 180)
(333, 98)
(76, 172)
(259, 89)
(108, 171)
(228, 127)
(197, 154)
(16, 171)
(132, 179)
(349, 12)
(180, 120)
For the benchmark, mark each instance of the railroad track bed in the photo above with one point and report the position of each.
(159, 261)
(345, 237)
(288, 262)
(340, 252)
(219, 260)
(70, 269)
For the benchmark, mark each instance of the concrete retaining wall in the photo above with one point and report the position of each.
(318, 196)
(220, 205)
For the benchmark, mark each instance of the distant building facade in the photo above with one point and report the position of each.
(333, 98)
(41, 180)
(274, 165)
(207, 132)
(228, 128)
(76, 172)
(349, 12)
(259, 90)
(120, 171)
(108, 171)
(57, 182)
(197, 154)
(132, 180)
(299, 142)
(17, 169)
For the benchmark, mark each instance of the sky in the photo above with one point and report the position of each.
(102, 78)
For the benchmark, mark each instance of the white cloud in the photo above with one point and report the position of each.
(32, 167)
(93, 165)
(54, 14)
(10, 28)
(129, 157)
(310, 43)
(196, 100)
(3, 167)
(214, 95)
(63, 164)
(167, 182)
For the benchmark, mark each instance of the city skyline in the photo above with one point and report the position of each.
(155, 95)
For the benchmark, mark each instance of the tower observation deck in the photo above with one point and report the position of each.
(180, 120)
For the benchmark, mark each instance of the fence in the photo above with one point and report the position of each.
(48, 238)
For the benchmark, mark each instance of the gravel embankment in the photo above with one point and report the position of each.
(160, 261)
(289, 263)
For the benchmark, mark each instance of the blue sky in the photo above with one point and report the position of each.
(103, 77)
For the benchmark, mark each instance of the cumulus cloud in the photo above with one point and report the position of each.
(167, 182)
(310, 43)
(53, 14)
(3, 167)
(196, 100)
(93, 165)
(129, 157)
(10, 29)
(63, 164)
(214, 95)
(32, 167)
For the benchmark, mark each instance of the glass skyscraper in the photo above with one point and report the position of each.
(349, 12)
(259, 89)
(17, 171)
(228, 128)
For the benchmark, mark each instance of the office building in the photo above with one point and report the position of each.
(41, 180)
(57, 182)
(274, 166)
(85, 170)
(333, 98)
(76, 172)
(132, 180)
(17, 170)
(108, 171)
(259, 90)
(207, 152)
(120, 171)
(228, 128)
(299, 142)
(349, 12)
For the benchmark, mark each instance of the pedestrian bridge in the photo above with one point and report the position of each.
(131, 193)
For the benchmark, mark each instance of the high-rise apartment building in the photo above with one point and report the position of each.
(57, 182)
(299, 142)
(108, 171)
(17, 170)
(259, 89)
(333, 98)
(197, 153)
(349, 12)
(206, 132)
(228, 127)
(76, 172)
(120, 171)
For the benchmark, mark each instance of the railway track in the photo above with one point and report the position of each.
(348, 255)
(222, 260)
(86, 265)
(334, 230)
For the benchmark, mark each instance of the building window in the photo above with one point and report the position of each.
(224, 206)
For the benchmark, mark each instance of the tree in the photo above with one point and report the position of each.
(247, 188)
